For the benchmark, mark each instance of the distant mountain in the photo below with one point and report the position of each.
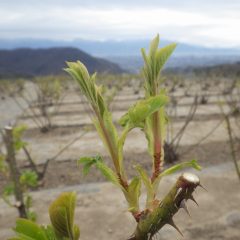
(115, 48)
(134, 63)
(224, 70)
(37, 62)
(124, 53)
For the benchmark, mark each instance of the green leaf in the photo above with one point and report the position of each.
(133, 194)
(154, 63)
(174, 169)
(109, 136)
(108, 173)
(28, 201)
(49, 232)
(154, 45)
(139, 116)
(61, 213)
(87, 85)
(29, 178)
(149, 135)
(87, 162)
(148, 184)
(31, 215)
(123, 121)
(163, 120)
(17, 136)
(181, 166)
(28, 230)
(103, 120)
(122, 139)
(142, 109)
(163, 55)
(111, 129)
(8, 189)
(76, 231)
(18, 131)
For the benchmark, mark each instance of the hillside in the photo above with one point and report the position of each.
(220, 70)
(37, 62)
(117, 48)
(181, 62)
(226, 70)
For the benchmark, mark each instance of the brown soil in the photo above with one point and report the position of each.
(101, 210)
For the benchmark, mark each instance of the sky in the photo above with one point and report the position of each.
(211, 23)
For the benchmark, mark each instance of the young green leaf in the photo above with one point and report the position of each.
(145, 108)
(142, 109)
(181, 166)
(87, 162)
(103, 120)
(133, 194)
(28, 201)
(163, 55)
(61, 213)
(87, 85)
(29, 178)
(174, 169)
(49, 232)
(154, 63)
(109, 137)
(31, 215)
(108, 173)
(17, 136)
(8, 189)
(123, 121)
(148, 184)
(28, 230)
(154, 46)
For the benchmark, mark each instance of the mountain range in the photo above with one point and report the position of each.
(27, 62)
(114, 47)
(29, 57)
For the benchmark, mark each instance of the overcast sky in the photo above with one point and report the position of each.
(203, 22)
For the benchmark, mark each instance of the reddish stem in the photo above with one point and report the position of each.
(157, 147)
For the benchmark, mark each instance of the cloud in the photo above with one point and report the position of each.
(176, 4)
(191, 22)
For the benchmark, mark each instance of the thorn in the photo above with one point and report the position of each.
(171, 222)
(184, 206)
(192, 198)
(200, 185)
(178, 192)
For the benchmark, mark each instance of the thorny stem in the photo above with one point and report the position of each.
(152, 221)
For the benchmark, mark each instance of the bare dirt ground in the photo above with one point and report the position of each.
(101, 211)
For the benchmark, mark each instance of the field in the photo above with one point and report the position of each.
(196, 124)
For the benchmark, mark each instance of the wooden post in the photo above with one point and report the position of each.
(14, 172)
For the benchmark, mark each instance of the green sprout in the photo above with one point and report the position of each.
(149, 115)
